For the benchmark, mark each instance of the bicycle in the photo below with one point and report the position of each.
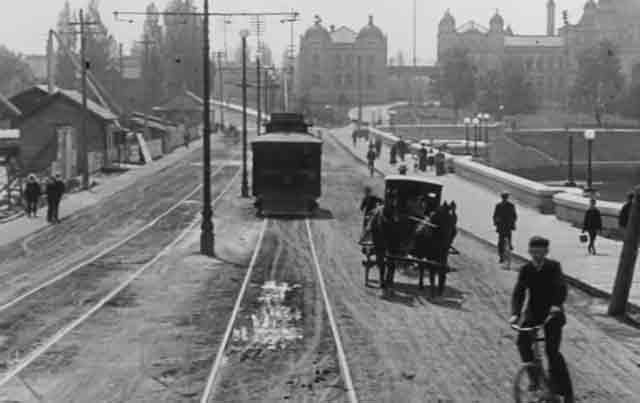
(531, 383)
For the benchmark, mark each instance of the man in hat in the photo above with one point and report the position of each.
(542, 279)
(504, 219)
(32, 193)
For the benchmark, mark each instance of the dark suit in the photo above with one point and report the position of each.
(546, 287)
(504, 219)
(592, 224)
(623, 219)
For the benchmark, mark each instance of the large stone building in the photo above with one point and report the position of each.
(337, 66)
(545, 56)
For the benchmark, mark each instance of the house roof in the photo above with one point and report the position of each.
(534, 41)
(8, 108)
(343, 35)
(69, 95)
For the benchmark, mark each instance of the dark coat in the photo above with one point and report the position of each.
(625, 213)
(546, 288)
(369, 203)
(371, 154)
(505, 217)
(32, 191)
(592, 220)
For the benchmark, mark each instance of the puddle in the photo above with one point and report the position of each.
(273, 326)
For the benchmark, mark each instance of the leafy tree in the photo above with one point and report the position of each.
(101, 50)
(65, 71)
(458, 82)
(151, 57)
(183, 48)
(518, 96)
(599, 80)
(629, 105)
(15, 73)
(490, 88)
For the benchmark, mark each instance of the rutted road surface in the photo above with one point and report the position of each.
(159, 339)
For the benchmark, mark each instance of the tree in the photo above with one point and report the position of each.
(15, 73)
(490, 88)
(518, 95)
(65, 71)
(629, 105)
(183, 48)
(458, 79)
(101, 50)
(151, 58)
(599, 80)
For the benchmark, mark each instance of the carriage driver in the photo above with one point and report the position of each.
(369, 203)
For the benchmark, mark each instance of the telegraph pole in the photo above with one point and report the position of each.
(207, 239)
(289, 76)
(84, 136)
(221, 85)
(147, 101)
(259, 100)
(359, 90)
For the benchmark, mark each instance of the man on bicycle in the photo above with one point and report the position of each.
(544, 282)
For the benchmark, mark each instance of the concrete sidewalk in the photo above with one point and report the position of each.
(475, 211)
(107, 186)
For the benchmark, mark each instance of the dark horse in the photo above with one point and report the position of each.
(400, 236)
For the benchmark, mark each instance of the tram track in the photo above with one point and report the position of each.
(311, 369)
(36, 320)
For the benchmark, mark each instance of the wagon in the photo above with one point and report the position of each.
(418, 234)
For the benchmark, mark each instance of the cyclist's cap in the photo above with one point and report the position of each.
(538, 242)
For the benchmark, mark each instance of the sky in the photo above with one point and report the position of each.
(24, 23)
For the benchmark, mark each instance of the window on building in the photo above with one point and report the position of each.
(550, 64)
(529, 63)
(315, 59)
(348, 80)
(338, 59)
(316, 81)
(349, 60)
(540, 63)
(371, 81)
(337, 83)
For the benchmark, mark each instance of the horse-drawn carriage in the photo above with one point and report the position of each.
(412, 229)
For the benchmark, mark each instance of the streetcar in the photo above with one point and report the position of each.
(287, 167)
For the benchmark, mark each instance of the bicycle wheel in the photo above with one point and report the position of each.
(531, 385)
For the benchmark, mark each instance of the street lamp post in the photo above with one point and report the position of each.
(501, 108)
(245, 186)
(487, 118)
(392, 115)
(475, 122)
(207, 235)
(571, 180)
(467, 122)
(589, 135)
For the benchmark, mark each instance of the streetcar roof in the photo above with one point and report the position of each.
(282, 137)
(412, 178)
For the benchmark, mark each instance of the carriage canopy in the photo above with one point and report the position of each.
(413, 195)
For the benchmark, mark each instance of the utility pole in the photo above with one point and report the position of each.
(221, 85)
(207, 246)
(225, 22)
(84, 136)
(258, 99)
(121, 78)
(245, 186)
(146, 84)
(359, 90)
(288, 78)
(628, 256)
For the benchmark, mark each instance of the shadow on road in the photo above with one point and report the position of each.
(411, 295)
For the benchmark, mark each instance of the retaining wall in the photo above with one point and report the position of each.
(571, 208)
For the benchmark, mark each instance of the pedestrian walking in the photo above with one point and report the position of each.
(431, 159)
(186, 138)
(371, 158)
(422, 158)
(50, 191)
(378, 144)
(542, 286)
(354, 137)
(625, 212)
(592, 225)
(504, 219)
(32, 194)
(402, 148)
(439, 161)
(393, 152)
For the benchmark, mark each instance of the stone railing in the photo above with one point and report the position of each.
(572, 207)
(526, 191)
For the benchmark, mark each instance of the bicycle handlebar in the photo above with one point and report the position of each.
(531, 328)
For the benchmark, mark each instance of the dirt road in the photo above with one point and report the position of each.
(157, 344)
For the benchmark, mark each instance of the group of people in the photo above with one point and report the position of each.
(54, 189)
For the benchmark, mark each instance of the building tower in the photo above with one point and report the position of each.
(551, 18)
